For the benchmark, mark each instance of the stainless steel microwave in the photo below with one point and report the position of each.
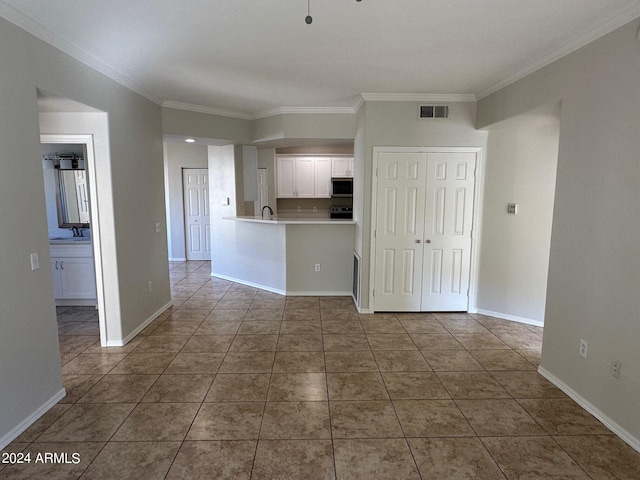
(341, 187)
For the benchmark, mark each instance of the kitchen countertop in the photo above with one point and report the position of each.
(294, 220)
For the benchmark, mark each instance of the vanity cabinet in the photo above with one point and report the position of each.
(74, 278)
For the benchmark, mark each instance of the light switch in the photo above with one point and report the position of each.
(225, 201)
(512, 208)
(35, 261)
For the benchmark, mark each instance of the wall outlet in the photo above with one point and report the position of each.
(35, 261)
(315, 209)
(317, 267)
(158, 227)
(298, 209)
(584, 348)
(616, 366)
(150, 286)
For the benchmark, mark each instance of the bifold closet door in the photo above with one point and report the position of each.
(423, 225)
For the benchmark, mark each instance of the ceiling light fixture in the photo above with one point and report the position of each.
(308, 19)
(190, 140)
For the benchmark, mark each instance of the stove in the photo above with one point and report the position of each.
(342, 212)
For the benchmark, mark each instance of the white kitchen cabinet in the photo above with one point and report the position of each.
(297, 177)
(73, 271)
(342, 166)
(323, 177)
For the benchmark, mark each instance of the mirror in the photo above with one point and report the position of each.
(72, 198)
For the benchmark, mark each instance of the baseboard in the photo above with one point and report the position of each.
(177, 259)
(319, 294)
(31, 419)
(131, 336)
(249, 284)
(513, 318)
(61, 302)
(592, 409)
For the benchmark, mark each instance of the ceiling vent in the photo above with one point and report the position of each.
(434, 111)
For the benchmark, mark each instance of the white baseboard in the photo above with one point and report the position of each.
(31, 419)
(249, 284)
(131, 336)
(177, 259)
(592, 409)
(506, 316)
(319, 294)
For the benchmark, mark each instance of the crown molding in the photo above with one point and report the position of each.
(608, 25)
(418, 97)
(189, 107)
(23, 21)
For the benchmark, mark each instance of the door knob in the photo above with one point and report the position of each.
(418, 241)
(427, 241)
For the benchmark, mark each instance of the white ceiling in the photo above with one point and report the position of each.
(246, 58)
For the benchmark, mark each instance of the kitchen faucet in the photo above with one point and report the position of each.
(270, 210)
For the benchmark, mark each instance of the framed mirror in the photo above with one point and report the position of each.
(72, 198)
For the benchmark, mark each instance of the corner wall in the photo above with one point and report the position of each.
(594, 263)
(520, 167)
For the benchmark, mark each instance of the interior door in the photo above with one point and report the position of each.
(424, 216)
(399, 231)
(448, 224)
(196, 205)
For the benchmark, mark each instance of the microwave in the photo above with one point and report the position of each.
(341, 187)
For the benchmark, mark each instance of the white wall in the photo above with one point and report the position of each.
(30, 372)
(178, 156)
(594, 265)
(520, 167)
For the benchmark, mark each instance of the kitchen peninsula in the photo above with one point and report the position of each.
(289, 255)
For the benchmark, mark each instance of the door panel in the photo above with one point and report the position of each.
(197, 218)
(399, 230)
(450, 190)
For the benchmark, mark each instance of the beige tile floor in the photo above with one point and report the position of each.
(239, 383)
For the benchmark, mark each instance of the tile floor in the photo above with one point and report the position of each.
(238, 383)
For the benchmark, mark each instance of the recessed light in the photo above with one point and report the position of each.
(190, 140)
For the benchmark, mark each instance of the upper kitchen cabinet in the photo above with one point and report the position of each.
(323, 177)
(342, 166)
(298, 177)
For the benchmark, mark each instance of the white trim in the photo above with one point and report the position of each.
(249, 284)
(418, 97)
(505, 316)
(358, 103)
(607, 26)
(319, 294)
(477, 209)
(31, 419)
(302, 110)
(592, 409)
(145, 324)
(190, 107)
(96, 239)
(38, 30)
(177, 259)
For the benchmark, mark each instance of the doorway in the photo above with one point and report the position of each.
(85, 144)
(423, 220)
(196, 213)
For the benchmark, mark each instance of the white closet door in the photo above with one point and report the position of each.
(424, 214)
(449, 216)
(399, 231)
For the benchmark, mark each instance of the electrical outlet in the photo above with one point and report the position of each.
(315, 209)
(158, 227)
(317, 267)
(616, 366)
(584, 348)
(150, 287)
(298, 209)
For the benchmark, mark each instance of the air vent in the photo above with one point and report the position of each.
(434, 111)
